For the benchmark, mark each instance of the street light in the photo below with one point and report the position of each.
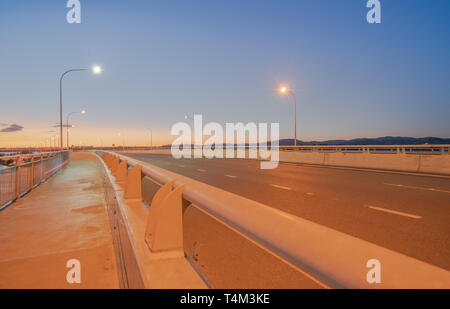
(96, 70)
(151, 138)
(285, 90)
(82, 112)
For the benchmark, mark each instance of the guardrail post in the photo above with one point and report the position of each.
(110, 159)
(133, 187)
(107, 159)
(155, 206)
(114, 166)
(121, 175)
(164, 230)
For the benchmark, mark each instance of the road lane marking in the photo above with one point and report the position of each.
(281, 187)
(201, 170)
(395, 212)
(230, 176)
(415, 187)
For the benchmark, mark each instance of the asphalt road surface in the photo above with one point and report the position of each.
(403, 212)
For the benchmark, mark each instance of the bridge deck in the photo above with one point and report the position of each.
(65, 218)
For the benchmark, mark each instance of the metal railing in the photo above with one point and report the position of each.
(387, 149)
(407, 149)
(334, 258)
(20, 174)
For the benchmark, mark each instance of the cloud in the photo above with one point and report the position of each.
(12, 128)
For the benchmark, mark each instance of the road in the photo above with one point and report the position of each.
(406, 213)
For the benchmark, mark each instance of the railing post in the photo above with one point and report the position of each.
(42, 168)
(133, 187)
(18, 163)
(32, 173)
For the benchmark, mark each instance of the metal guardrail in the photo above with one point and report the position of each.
(399, 149)
(25, 172)
(333, 258)
(407, 149)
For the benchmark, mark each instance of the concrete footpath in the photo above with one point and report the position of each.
(65, 218)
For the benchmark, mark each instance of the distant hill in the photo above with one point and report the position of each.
(386, 140)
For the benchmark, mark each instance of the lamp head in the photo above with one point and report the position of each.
(96, 69)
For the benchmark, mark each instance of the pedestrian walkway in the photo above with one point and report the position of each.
(65, 218)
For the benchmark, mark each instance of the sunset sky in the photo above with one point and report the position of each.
(225, 60)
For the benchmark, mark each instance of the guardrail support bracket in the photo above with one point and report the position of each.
(164, 230)
(133, 187)
(115, 166)
(121, 175)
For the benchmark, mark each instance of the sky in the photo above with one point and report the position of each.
(224, 59)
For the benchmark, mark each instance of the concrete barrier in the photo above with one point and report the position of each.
(417, 163)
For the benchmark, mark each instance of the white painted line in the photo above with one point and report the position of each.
(281, 187)
(395, 212)
(310, 194)
(201, 170)
(230, 176)
(415, 187)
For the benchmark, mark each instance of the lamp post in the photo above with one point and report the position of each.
(82, 112)
(151, 138)
(96, 70)
(285, 90)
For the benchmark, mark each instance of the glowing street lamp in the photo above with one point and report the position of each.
(285, 90)
(82, 112)
(96, 69)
